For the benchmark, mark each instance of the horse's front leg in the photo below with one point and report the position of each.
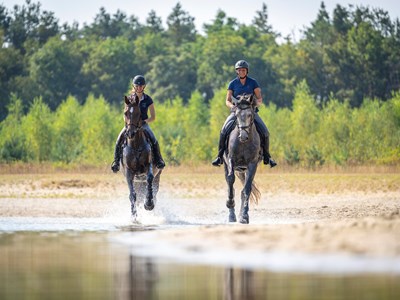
(230, 180)
(132, 193)
(149, 204)
(244, 209)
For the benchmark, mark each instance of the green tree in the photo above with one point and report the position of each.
(305, 120)
(55, 70)
(172, 76)
(108, 26)
(219, 53)
(37, 125)
(261, 22)
(99, 131)
(146, 48)
(29, 24)
(67, 131)
(196, 144)
(154, 23)
(12, 136)
(181, 26)
(218, 114)
(109, 68)
(11, 65)
(334, 132)
(279, 126)
(169, 129)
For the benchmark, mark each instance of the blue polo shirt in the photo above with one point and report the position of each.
(239, 89)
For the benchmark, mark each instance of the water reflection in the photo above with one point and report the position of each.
(78, 265)
(142, 278)
(238, 284)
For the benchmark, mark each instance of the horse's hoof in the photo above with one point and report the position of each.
(133, 211)
(149, 205)
(230, 204)
(232, 218)
(244, 219)
(134, 218)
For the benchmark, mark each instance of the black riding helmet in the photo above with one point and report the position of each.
(139, 80)
(242, 64)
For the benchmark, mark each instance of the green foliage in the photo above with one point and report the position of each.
(99, 132)
(109, 68)
(310, 135)
(38, 130)
(218, 114)
(53, 69)
(335, 131)
(329, 98)
(12, 137)
(67, 131)
(292, 156)
(349, 55)
(304, 119)
(169, 128)
(197, 143)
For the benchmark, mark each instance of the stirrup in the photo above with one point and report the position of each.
(160, 164)
(270, 161)
(217, 162)
(115, 166)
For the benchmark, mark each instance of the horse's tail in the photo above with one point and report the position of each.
(255, 194)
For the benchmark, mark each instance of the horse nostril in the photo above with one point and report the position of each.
(243, 138)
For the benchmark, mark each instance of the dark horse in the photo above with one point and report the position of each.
(242, 157)
(142, 176)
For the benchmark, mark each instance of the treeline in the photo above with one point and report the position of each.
(307, 134)
(349, 55)
(332, 97)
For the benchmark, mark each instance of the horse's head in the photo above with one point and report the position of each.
(244, 115)
(133, 119)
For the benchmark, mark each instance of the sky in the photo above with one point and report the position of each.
(287, 17)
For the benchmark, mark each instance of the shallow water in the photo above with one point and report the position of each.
(112, 258)
(92, 265)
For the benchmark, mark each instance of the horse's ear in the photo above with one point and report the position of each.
(126, 100)
(234, 100)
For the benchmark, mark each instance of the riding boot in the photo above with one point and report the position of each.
(267, 156)
(118, 151)
(117, 158)
(221, 149)
(160, 164)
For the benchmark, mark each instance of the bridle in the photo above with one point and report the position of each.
(245, 106)
(138, 126)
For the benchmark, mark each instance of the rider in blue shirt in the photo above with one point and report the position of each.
(243, 84)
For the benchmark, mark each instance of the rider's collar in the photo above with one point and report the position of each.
(140, 99)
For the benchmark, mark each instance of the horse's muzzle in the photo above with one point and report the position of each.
(243, 136)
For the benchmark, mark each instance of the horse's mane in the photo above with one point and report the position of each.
(243, 101)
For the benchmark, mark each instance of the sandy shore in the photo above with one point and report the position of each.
(325, 213)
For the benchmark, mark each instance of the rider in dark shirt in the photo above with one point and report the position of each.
(243, 84)
(146, 104)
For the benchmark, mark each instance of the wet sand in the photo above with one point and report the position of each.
(357, 214)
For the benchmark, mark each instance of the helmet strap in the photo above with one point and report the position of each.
(237, 73)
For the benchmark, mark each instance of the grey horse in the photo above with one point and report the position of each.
(142, 176)
(241, 158)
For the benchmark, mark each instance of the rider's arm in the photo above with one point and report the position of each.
(257, 93)
(228, 100)
(152, 116)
